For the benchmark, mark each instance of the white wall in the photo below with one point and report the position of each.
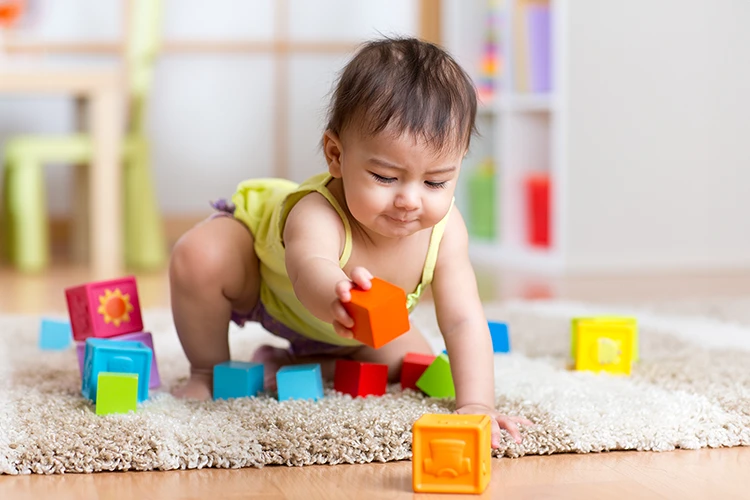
(658, 156)
(211, 114)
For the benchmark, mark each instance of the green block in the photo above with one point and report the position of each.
(630, 322)
(437, 381)
(116, 393)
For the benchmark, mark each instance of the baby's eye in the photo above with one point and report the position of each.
(384, 180)
(436, 185)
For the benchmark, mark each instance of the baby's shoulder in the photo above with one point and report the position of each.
(312, 205)
(313, 213)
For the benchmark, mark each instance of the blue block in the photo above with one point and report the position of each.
(237, 379)
(300, 382)
(55, 335)
(500, 338)
(104, 355)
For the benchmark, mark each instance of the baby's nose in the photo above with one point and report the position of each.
(407, 200)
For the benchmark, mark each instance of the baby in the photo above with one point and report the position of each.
(287, 255)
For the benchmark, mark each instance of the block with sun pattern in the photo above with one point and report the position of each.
(451, 453)
(104, 309)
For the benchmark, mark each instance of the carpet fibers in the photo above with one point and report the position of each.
(691, 390)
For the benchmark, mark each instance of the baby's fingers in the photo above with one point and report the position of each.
(343, 290)
(342, 331)
(509, 424)
(362, 278)
(340, 315)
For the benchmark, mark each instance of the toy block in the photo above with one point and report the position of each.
(437, 381)
(451, 453)
(604, 347)
(81, 353)
(104, 309)
(500, 337)
(103, 355)
(237, 379)
(603, 323)
(379, 314)
(54, 335)
(300, 382)
(116, 393)
(144, 337)
(360, 379)
(413, 367)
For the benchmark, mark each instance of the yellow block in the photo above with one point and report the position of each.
(451, 453)
(604, 347)
(604, 322)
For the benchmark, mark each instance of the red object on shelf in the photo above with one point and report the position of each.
(538, 209)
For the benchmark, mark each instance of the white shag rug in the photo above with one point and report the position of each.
(691, 390)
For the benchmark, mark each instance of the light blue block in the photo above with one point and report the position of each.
(300, 382)
(104, 355)
(55, 335)
(500, 338)
(237, 379)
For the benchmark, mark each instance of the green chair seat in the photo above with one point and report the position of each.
(25, 216)
(39, 149)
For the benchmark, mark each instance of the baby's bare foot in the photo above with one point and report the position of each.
(198, 386)
(272, 359)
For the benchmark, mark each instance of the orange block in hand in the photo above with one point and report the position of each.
(379, 314)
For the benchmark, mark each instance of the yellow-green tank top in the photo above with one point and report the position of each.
(263, 206)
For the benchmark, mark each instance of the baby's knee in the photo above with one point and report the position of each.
(196, 262)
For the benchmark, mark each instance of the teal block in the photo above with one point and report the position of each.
(104, 355)
(437, 381)
(300, 382)
(500, 337)
(237, 379)
(55, 335)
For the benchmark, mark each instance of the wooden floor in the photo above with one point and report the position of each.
(720, 473)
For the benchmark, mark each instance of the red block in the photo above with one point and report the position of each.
(104, 309)
(414, 366)
(538, 209)
(360, 379)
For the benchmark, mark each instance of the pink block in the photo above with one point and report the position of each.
(144, 337)
(104, 309)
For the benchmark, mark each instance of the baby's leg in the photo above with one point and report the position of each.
(392, 354)
(213, 271)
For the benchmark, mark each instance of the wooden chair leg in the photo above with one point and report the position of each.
(79, 247)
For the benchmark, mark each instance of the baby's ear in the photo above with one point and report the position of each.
(333, 151)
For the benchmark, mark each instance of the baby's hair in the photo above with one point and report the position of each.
(406, 85)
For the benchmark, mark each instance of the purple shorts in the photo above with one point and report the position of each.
(300, 345)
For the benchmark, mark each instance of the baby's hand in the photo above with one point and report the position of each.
(342, 322)
(499, 420)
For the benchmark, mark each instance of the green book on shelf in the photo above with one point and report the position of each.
(482, 202)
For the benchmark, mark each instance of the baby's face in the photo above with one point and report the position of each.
(396, 185)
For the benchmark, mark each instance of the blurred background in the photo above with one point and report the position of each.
(612, 134)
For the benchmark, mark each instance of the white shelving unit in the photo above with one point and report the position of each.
(641, 135)
(519, 132)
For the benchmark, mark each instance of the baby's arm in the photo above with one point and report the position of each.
(314, 238)
(464, 328)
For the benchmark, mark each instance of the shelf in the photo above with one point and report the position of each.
(521, 103)
(527, 258)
